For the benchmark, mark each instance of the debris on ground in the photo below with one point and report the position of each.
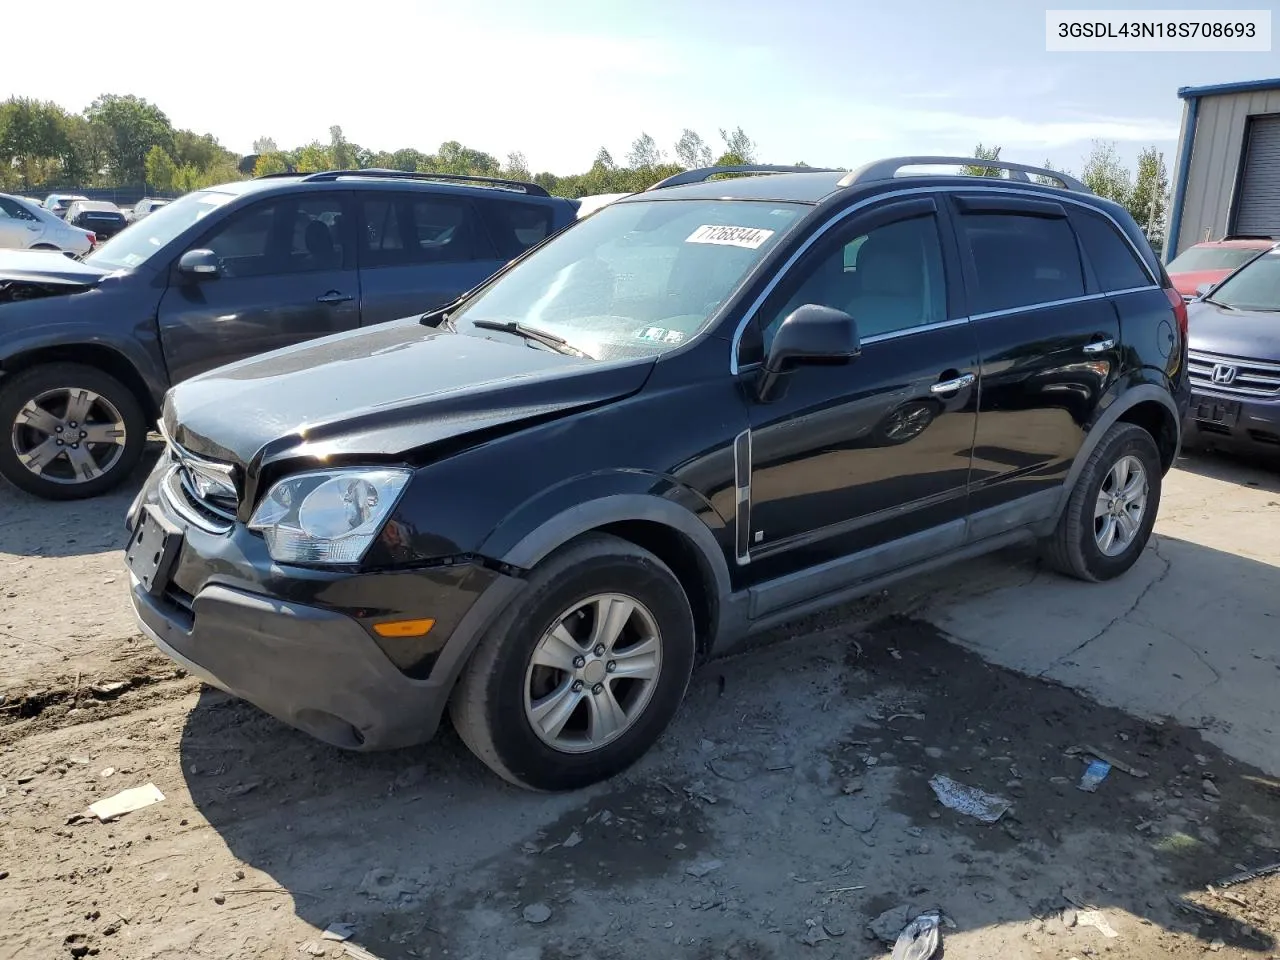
(1210, 788)
(736, 767)
(889, 925)
(859, 815)
(385, 885)
(313, 947)
(1108, 758)
(126, 801)
(919, 941)
(700, 868)
(537, 913)
(572, 840)
(339, 932)
(970, 801)
(357, 953)
(1246, 875)
(1093, 776)
(1096, 919)
(815, 933)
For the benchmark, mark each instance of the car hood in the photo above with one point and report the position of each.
(46, 266)
(1247, 334)
(395, 391)
(1186, 283)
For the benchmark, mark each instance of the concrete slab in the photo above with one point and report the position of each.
(1192, 632)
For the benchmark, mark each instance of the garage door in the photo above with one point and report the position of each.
(1259, 209)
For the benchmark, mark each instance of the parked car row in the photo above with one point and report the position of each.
(24, 225)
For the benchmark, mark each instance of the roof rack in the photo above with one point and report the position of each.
(532, 189)
(888, 169)
(702, 174)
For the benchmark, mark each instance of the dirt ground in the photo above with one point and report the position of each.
(787, 809)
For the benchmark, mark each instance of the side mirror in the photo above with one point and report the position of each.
(1203, 289)
(810, 335)
(199, 265)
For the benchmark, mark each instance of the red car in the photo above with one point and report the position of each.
(1211, 261)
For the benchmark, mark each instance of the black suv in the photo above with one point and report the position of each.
(701, 411)
(88, 348)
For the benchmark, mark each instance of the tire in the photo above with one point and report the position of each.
(115, 408)
(1075, 547)
(44, 246)
(491, 705)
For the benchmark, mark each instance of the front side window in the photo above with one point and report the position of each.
(279, 237)
(1255, 287)
(1021, 260)
(889, 279)
(636, 278)
(13, 210)
(140, 242)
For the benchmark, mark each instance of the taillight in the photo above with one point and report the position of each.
(1179, 310)
(93, 238)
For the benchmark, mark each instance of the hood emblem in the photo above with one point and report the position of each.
(210, 481)
(1224, 374)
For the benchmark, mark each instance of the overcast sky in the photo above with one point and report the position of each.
(818, 81)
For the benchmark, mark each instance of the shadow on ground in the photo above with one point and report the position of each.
(69, 528)
(788, 806)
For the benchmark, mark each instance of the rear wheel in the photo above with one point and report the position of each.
(581, 675)
(1112, 508)
(68, 431)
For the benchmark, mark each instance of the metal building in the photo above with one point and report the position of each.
(1227, 174)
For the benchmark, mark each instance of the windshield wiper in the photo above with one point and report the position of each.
(558, 344)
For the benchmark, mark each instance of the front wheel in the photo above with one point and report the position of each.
(1112, 508)
(583, 672)
(68, 431)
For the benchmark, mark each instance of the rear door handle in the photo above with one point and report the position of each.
(333, 296)
(1099, 346)
(951, 386)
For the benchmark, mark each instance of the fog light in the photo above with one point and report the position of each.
(404, 628)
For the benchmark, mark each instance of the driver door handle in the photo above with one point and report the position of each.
(1099, 346)
(333, 296)
(951, 386)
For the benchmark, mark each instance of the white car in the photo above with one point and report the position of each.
(27, 226)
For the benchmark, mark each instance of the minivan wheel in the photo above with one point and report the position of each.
(583, 672)
(68, 431)
(1112, 509)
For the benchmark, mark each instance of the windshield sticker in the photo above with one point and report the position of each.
(661, 335)
(751, 238)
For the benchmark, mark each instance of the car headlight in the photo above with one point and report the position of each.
(327, 516)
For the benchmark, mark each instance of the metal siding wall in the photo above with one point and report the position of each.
(1215, 161)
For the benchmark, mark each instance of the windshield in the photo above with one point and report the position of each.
(637, 278)
(133, 245)
(1255, 287)
(1211, 258)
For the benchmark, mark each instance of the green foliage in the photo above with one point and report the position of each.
(737, 144)
(134, 126)
(644, 153)
(1105, 174)
(161, 170)
(692, 151)
(273, 162)
(982, 153)
(1149, 200)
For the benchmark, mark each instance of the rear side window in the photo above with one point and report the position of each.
(409, 229)
(1021, 260)
(1114, 262)
(515, 227)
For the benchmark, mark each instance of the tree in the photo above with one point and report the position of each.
(644, 153)
(341, 151)
(265, 145)
(161, 170)
(274, 162)
(603, 159)
(517, 167)
(315, 156)
(1105, 174)
(739, 149)
(1150, 196)
(133, 126)
(692, 151)
(982, 153)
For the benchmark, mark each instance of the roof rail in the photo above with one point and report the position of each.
(282, 173)
(702, 174)
(532, 189)
(888, 169)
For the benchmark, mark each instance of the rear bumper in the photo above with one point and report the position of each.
(1255, 427)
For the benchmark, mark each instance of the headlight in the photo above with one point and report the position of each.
(327, 516)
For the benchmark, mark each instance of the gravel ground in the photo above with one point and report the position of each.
(787, 813)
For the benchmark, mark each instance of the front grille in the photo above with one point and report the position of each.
(181, 497)
(1248, 378)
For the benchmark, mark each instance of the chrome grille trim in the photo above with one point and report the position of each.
(1253, 378)
(181, 499)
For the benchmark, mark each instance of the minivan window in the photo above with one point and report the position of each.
(134, 246)
(1254, 287)
(1021, 260)
(1113, 260)
(636, 278)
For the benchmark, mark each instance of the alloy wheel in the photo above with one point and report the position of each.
(593, 673)
(1121, 505)
(69, 435)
